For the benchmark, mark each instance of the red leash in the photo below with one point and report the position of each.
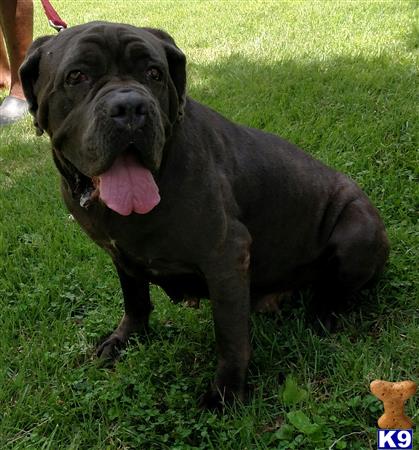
(53, 18)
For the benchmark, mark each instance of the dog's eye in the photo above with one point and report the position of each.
(75, 77)
(154, 74)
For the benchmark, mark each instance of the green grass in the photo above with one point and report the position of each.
(337, 78)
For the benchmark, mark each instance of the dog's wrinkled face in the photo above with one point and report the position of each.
(103, 90)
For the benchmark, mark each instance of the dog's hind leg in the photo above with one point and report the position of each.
(356, 254)
(135, 320)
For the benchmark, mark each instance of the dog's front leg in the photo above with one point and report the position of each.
(229, 282)
(137, 306)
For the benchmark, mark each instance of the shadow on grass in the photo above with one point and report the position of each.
(336, 109)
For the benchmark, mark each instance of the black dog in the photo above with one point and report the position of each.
(181, 197)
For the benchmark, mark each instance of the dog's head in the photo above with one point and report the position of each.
(103, 90)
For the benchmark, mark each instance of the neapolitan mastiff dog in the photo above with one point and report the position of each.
(181, 197)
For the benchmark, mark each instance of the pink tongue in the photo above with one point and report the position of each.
(127, 186)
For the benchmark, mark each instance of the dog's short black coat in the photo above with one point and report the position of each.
(243, 213)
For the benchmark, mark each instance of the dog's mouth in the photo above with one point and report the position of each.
(126, 187)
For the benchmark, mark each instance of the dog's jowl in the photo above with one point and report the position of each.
(181, 197)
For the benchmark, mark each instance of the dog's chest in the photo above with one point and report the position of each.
(156, 256)
(137, 244)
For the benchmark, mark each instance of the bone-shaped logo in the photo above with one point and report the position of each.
(393, 396)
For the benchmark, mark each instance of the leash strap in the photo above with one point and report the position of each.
(53, 18)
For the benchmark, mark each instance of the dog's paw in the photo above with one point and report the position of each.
(212, 400)
(271, 303)
(110, 349)
(192, 302)
(216, 399)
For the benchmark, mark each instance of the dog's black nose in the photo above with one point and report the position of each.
(128, 109)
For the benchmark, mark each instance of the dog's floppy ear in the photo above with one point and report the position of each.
(29, 72)
(177, 67)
